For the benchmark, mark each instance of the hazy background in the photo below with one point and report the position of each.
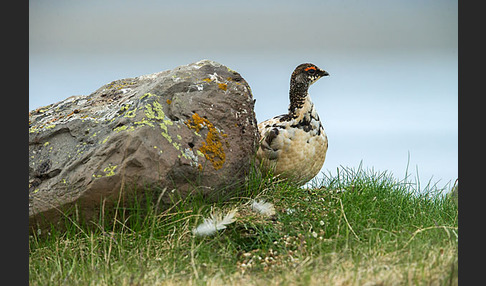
(392, 93)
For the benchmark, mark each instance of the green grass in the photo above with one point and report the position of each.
(359, 227)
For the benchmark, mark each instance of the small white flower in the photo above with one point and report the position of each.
(266, 209)
(215, 222)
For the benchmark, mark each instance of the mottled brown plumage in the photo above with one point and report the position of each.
(294, 145)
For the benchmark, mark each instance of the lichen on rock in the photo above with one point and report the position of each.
(190, 127)
(212, 148)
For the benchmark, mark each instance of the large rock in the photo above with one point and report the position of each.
(190, 128)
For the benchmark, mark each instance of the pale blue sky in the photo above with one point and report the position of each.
(393, 64)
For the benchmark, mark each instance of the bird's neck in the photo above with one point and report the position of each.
(300, 101)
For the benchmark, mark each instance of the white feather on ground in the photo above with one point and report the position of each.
(262, 207)
(215, 222)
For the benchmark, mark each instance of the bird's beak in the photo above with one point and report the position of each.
(325, 73)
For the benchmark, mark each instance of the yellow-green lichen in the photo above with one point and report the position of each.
(176, 145)
(109, 171)
(124, 107)
(163, 127)
(143, 122)
(120, 84)
(120, 128)
(154, 112)
(167, 136)
(124, 128)
(131, 113)
(33, 129)
(147, 95)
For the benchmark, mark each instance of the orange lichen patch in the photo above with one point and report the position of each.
(213, 147)
(169, 101)
(55, 119)
(72, 113)
(197, 122)
(223, 86)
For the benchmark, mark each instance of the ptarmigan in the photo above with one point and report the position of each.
(294, 145)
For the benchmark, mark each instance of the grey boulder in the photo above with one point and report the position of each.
(189, 129)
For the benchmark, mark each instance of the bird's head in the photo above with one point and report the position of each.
(307, 74)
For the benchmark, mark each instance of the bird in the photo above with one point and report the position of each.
(293, 146)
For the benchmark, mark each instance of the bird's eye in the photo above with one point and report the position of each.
(311, 70)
